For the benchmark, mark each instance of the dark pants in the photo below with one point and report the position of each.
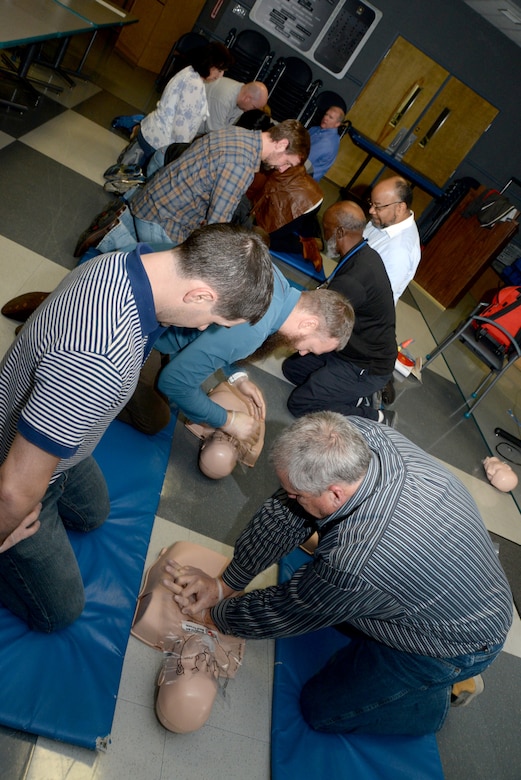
(369, 688)
(326, 382)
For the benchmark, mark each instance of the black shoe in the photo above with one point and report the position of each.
(389, 393)
(389, 418)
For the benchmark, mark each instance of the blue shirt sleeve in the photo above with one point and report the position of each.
(216, 347)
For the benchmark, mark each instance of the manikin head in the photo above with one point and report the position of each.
(220, 451)
(390, 202)
(500, 474)
(188, 680)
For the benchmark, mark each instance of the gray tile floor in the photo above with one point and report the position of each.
(52, 161)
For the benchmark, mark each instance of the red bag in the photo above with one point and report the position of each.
(506, 310)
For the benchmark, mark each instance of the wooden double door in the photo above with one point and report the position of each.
(417, 111)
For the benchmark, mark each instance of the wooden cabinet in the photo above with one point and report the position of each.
(161, 22)
(459, 253)
(416, 111)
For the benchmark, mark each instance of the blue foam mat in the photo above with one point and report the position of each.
(64, 685)
(299, 752)
(298, 262)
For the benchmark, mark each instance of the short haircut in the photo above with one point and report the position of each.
(214, 55)
(333, 310)
(345, 216)
(236, 263)
(296, 134)
(403, 191)
(319, 450)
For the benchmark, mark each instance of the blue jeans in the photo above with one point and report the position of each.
(129, 231)
(40, 580)
(369, 688)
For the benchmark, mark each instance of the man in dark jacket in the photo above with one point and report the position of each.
(343, 381)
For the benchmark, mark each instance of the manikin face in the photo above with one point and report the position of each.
(317, 506)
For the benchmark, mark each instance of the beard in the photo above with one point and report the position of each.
(275, 341)
(331, 250)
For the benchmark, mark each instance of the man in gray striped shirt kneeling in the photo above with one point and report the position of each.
(404, 566)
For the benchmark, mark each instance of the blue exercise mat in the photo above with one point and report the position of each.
(64, 685)
(299, 752)
(298, 262)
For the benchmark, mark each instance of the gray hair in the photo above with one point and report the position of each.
(335, 313)
(319, 450)
(236, 263)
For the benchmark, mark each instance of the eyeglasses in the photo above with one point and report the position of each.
(379, 208)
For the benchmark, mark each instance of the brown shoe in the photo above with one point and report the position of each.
(93, 237)
(21, 307)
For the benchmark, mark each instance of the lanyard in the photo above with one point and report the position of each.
(342, 263)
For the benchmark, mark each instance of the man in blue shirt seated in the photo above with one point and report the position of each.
(325, 141)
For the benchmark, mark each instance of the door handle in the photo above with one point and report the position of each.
(436, 125)
(405, 105)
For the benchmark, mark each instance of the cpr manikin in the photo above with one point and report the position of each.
(500, 474)
(220, 451)
(196, 659)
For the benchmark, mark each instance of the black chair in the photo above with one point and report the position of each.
(252, 54)
(290, 88)
(320, 104)
(177, 59)
(497, 361)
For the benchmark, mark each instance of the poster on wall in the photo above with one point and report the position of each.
(330, 33)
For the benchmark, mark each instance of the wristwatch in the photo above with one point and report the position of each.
(238, 375)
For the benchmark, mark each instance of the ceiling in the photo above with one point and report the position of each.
(503, 14)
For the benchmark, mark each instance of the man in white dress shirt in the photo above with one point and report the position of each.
(392, 231)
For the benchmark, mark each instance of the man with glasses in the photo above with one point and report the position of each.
(392, 231)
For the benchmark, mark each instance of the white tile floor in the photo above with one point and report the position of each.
(235, 741)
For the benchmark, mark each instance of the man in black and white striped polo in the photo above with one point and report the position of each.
(73, 367)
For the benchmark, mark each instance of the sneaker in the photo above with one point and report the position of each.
(466, 690)
(121, 186)
(123, 172)
(389, 393)
(376, 400)
(388, 418)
